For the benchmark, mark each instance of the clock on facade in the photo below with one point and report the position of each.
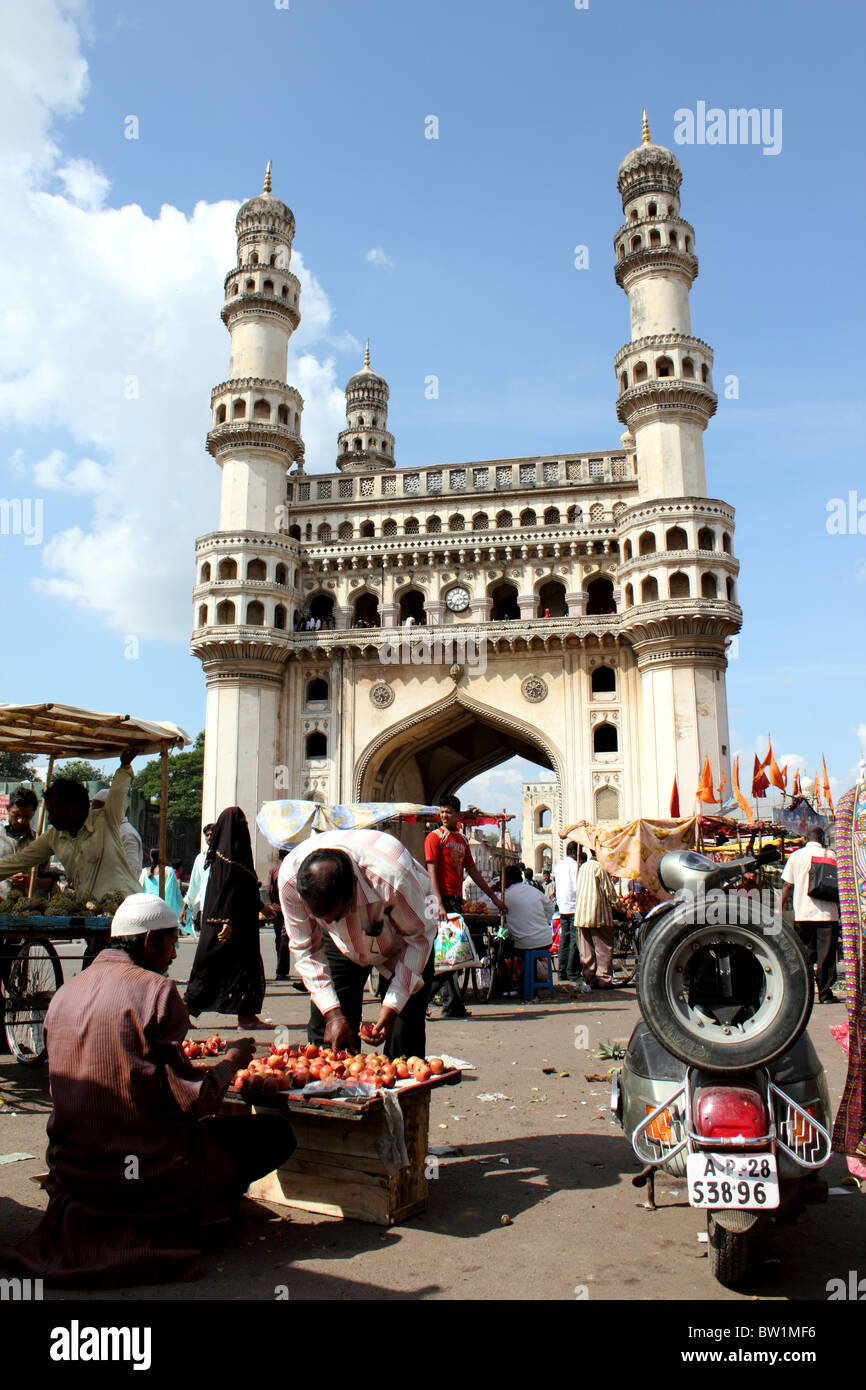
(457, 599)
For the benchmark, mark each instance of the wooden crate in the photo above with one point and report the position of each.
(337, 1168)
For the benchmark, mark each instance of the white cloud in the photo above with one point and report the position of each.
(116, 344)
(378, 256)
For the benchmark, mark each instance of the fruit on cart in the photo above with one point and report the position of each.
(290, 1070)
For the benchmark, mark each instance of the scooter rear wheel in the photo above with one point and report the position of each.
(729, 1252)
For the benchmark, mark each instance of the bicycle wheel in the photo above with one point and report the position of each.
(624, 957)
(35, 975)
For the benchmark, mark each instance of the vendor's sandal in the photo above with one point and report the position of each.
(255, 1022)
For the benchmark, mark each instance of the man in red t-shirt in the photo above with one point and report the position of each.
(448, 858)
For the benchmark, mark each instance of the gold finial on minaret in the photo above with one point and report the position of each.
(645, 135)
(367, 355)
(267, 187)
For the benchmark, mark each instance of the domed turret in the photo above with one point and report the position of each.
(648, 169)
(265, 214)
(365, 443)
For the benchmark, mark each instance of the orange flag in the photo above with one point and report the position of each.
(778, 778)
(740, 799)
(675, 801)
(705, 786)
(759, 781)
(797, 790)
(816, 792)
(827, 796)
(767, 760)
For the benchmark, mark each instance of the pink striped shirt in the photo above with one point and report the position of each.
(386, 876)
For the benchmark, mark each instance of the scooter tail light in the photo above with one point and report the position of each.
(730, 1112)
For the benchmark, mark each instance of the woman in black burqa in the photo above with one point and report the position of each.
(227, 974)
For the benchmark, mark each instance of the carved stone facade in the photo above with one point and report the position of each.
(574, 608)
(540, 844)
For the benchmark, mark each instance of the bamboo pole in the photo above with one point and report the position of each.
(41, 823)
(163, 815)
(502, 866)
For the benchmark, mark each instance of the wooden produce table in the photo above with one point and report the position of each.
(338, 1167)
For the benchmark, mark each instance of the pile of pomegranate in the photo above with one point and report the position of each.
(211, 1048)
(290, 1069)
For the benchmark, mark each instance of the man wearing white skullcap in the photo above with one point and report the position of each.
(138, 1160)
(129, 836)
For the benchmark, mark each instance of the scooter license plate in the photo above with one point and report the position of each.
(749, 1181)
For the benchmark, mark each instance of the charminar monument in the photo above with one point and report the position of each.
(574, 609)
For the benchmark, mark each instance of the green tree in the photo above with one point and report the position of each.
(79, 770)
(185, 777)
(14, 767)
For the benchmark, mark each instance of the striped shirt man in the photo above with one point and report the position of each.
(389, 883)
(594, 896)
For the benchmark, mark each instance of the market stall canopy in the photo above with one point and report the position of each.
(634, 850)
(63, 731)
(285, 823)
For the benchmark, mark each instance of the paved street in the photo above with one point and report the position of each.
(547, 1156)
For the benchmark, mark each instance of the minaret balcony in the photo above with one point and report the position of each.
(670, 343)
(263, 304)
(655, 260)
(254, 434)
(669, 395)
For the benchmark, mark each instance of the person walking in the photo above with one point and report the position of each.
(816, 920)
(193, 898)
(593, 918)
(171, 893)
(565, 886)
(227, 975)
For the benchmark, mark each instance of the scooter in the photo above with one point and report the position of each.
(721, 1085)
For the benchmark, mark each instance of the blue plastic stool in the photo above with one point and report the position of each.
(527, 980)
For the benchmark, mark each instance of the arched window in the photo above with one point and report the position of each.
(234, 288)
(688, 369)
(344, 531)
(542, 818)
(480, 521)
(257, 569)
(629, 596)
(295, 533)
(249, 285)
(618, 509)
(225, 613)
(527, 517)
(239, 409)
(620, 251)
(709, 586)
(672, 238)
(623, 381)
(412, 606)
(317, 690)
(389, 527)
(635, 243)
(280, 574)
(551, 516)
(655, 237)
(731, 591)
(599, 598)
(651, 210)
(626, 550)
(308, 531)
(605, 739)
(256, 614)
(596, 512)
(361, 420)
(280, 615)
(202, 615)
(367, 529)
(551, 600)
(204, 577)
(322, 606)
(676, 539)
(356, 445)
(640, 372)
(664, 366)
(706, 539)
(607, 804)
(456, 522)
(575, 515)
(688, 243)
(268, 286)
(678, 585)
(221, 414)
(649, 590)
(603, 681)
(434, 525)
(705, 373)
(282, 414)
(646, 543)
(324, 532)
(726, 543)
(228, 569)
(366, 611)
(503, 521)
(410, 526)
(317, 745)
(254, 258)
(504, 606)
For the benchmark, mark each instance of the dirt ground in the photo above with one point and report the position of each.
(544, 1154)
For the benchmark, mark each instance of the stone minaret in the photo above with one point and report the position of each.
(365, 443)
(677, 573)
(247, 570)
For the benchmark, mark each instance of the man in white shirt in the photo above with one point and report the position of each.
(529, 912)
(565, 886)
(193, 900)
(129, 836)
(815, 919)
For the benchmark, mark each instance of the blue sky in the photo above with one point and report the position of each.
(115, 251)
